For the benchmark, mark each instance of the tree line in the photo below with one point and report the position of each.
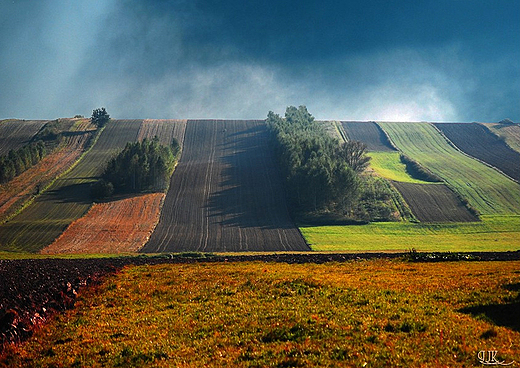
(17, 161)
(139, 167)
(323, 175)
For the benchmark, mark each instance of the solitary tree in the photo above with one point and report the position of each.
(100, 117)
(354, 154)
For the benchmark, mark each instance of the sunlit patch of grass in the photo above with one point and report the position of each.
(361, 313)
(493, 233)
(389, 166)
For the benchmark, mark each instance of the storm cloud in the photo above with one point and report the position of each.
(371, 60)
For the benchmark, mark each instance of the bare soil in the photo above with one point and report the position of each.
(434, 203)
(226, 194)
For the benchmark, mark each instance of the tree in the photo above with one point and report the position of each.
(100, 117)
(354, 154)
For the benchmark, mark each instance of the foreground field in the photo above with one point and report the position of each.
(493, 233)
(369, 313)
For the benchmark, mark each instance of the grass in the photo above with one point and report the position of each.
(490, 192)
(493, 233)
(370, 313)
(389, 166)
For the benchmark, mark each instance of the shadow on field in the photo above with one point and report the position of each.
(73, 193)
(505, 315)
(250, 193)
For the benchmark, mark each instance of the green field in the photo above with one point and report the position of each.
(389, 166)
(490, 192)
(356, 314)
(493, 233)
(68, 198)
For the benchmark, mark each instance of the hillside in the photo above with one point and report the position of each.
(226, 193)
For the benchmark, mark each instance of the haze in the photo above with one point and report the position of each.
(350, 60)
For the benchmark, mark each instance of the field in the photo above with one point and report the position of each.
(68, 198)
(509, 132)
(15, 134)
(492, 234)
(361, 313)
(434, 203)
(369, 133)
(487, 190)
(164, 129)
(225, 194)
(389, 166)
(477, 141)
(118, 226)
(21, 189)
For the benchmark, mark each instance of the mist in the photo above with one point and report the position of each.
(177, 59)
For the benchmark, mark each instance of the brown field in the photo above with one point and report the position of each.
(69, 197)
(225, 194)
(16, 192)
(509, 132)
(477, 141)
(434, 203)
(369, 133)
(15, 134)
(122, 225)
(164, 129)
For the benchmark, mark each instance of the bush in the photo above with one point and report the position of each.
(102, 189)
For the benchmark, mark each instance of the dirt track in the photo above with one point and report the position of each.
(225, 194)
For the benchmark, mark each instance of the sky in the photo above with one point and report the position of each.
(401, 60)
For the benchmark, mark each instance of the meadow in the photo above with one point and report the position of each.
(376, 313)
(492, 234)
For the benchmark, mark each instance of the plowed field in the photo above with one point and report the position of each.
(25, 185)
(369, 133)
(434, 203)
(69, 196)
(15, 134)
(163, 129)
(489, 191)
(225, 194)
(509, 132)
(117, 226)
(477, 141)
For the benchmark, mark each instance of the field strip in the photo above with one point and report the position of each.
(15, 134)
(118, 226)
(225, 194)
(490, 192)
(493, 233)
(509, 132)
(434, 203)
(369, 133)
(478, 142)
(68, 198)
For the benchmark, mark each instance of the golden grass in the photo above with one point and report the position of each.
(363, 313)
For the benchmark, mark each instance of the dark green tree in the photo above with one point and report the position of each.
(100, 117)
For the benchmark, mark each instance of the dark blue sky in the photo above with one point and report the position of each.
(435, 60)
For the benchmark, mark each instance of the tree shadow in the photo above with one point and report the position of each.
(505, 315)
(250, 192)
